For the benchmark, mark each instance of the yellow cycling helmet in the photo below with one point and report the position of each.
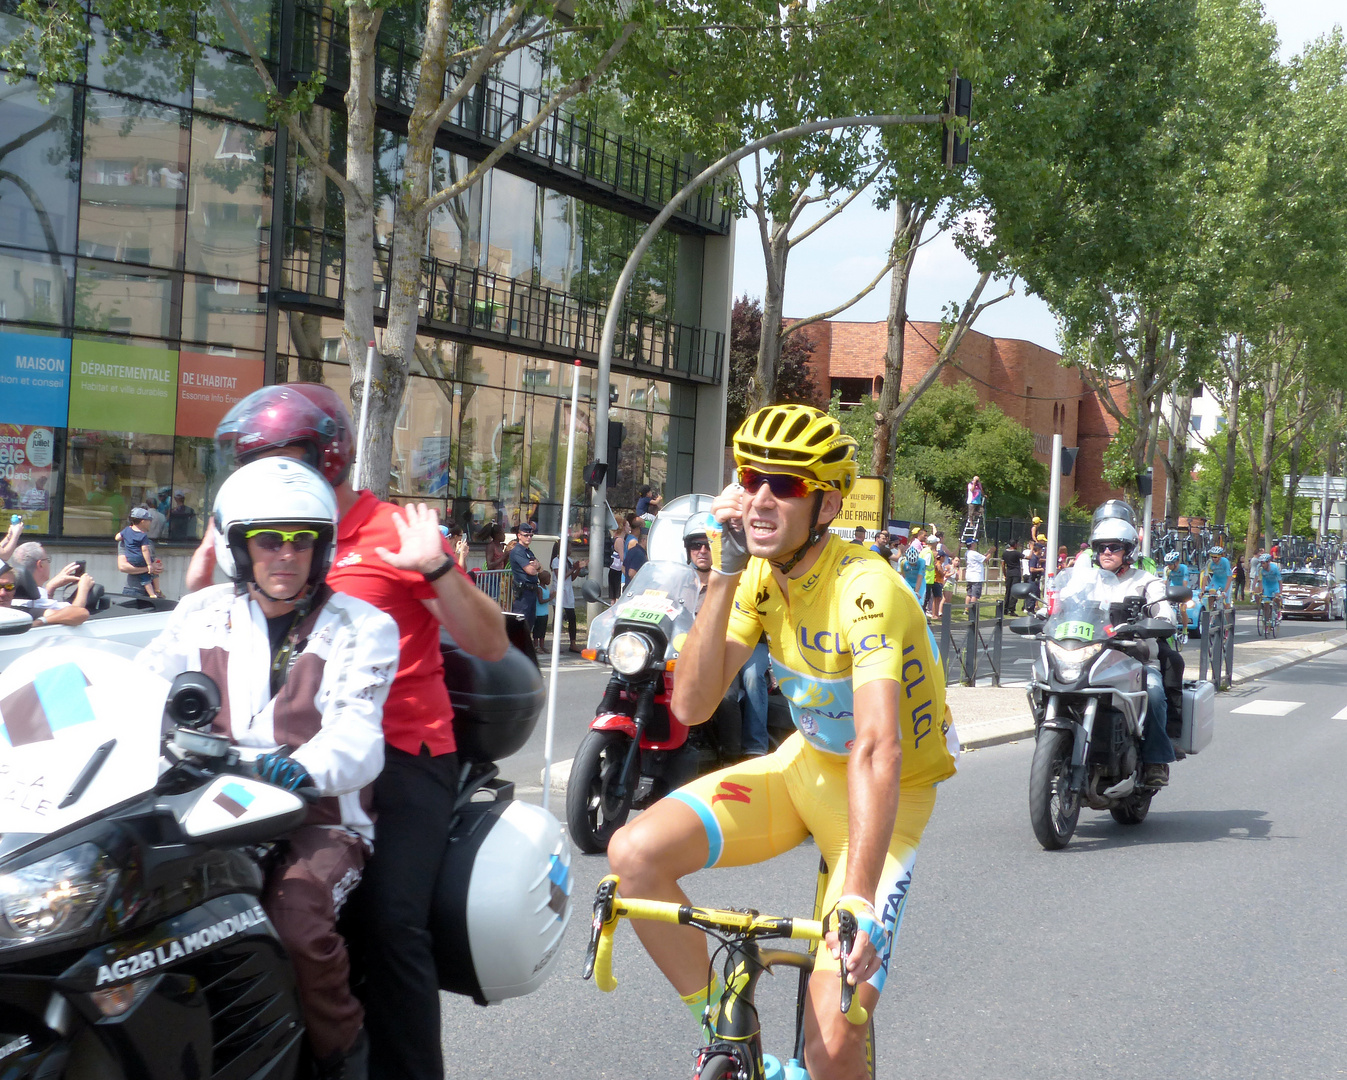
(800, 437)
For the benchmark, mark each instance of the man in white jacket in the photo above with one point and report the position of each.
(303, 674)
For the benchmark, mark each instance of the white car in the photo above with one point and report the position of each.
(126, 626)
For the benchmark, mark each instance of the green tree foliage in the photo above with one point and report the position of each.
(794, 380)
(947, 438)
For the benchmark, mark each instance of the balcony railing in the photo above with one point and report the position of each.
(495, 111)
(503, 310)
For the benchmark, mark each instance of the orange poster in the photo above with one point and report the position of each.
(209, 386)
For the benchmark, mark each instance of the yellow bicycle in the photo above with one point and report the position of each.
(735, 1050)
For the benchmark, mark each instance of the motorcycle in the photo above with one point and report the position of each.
(133, 850)
(1088, 697)
(636, 750)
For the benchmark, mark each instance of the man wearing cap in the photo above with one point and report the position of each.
(135, 556)
(524, 567)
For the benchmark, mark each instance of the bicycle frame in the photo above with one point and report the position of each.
(738, 1032)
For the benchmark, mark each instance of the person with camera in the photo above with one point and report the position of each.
(45, 610)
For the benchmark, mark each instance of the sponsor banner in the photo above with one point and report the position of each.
(34, 379)
(864, 506)
(209, 386)
(26, 480)
(123, 388)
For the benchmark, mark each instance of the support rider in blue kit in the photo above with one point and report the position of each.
(1268, 583)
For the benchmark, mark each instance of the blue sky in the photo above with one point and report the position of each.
(838, 260)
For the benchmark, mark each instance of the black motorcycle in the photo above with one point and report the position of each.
(133, 942)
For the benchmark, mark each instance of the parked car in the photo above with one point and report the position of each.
(1311, 594)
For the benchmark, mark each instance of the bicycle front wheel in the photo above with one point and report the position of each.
(717, 1067)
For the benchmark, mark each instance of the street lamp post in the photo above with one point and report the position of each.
(598, 523)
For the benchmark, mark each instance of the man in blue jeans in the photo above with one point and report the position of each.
(754, 676)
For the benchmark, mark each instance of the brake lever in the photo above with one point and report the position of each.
(601, 918)
(852, 1009)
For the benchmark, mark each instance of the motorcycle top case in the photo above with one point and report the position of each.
(1199, 717)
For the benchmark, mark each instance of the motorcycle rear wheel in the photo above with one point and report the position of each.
(1053, 811)
(593, 812)
(1134, 810)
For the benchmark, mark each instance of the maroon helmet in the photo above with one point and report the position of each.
(310, 415)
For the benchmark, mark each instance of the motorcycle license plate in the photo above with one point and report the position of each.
(1080, 631)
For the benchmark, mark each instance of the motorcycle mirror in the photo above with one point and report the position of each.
(590, 592)
(1027, 625)
(1178, 594)
(1023, 591)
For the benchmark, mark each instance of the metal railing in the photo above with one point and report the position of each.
(507, 310)
(495, 111)
(497, 584)
(964, 657)
(1217, 654)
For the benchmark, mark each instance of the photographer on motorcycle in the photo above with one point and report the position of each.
(303, 674)
(1113, 539)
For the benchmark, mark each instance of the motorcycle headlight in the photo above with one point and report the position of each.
(59, 895)
(629, 653)
(1070, 663)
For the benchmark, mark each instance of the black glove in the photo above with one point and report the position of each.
(729, 548)
(284, 772)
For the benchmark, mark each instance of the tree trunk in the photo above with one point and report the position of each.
(886, 428)
(1231, 434)
(1260, 515)
(358, 284)
(1293, 462)
(776, 253)
(1176, 462)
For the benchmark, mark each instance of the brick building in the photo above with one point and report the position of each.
(1026, 381)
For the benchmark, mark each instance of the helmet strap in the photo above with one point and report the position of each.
(815, 535)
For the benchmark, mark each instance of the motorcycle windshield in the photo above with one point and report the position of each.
(79, 732)
(1079, 613)
(673, 587)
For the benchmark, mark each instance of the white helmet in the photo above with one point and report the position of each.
(273, 491)
(1114, 520)
(702, 524)
(502, 901)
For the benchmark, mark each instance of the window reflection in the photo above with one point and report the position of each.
(125, 300)
(35, 287)
(108, 473)
(229, 220)
(133, 191)
(224, 313)
(38, 177)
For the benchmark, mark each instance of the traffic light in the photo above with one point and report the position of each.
(1069, 459)
(616, 434)
(960, 104)
(1144, 483)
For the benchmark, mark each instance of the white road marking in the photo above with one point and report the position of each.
(1268, 707)
(1340, 715)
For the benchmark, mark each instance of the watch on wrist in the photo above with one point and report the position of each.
(444, 568)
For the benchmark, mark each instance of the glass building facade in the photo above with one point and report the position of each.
(165, 250)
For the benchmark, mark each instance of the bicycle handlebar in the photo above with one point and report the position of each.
(609, 907)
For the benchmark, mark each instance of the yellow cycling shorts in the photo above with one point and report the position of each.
(766, 806)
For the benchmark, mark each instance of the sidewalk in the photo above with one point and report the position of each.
(988, 715)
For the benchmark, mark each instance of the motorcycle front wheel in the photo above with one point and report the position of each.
(1053, 810)
(593, 811)
(1134, 810)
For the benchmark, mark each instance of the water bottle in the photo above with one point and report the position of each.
(771, 1068)
(793, 1070)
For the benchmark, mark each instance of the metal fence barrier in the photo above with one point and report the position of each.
(974, 642)
(1218, 646)
(497, 584)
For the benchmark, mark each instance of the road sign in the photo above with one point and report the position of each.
(864, 506)
(1312, 487)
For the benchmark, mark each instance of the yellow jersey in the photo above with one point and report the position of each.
(847, 622)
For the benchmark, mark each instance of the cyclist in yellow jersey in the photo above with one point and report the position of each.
(853, 654)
